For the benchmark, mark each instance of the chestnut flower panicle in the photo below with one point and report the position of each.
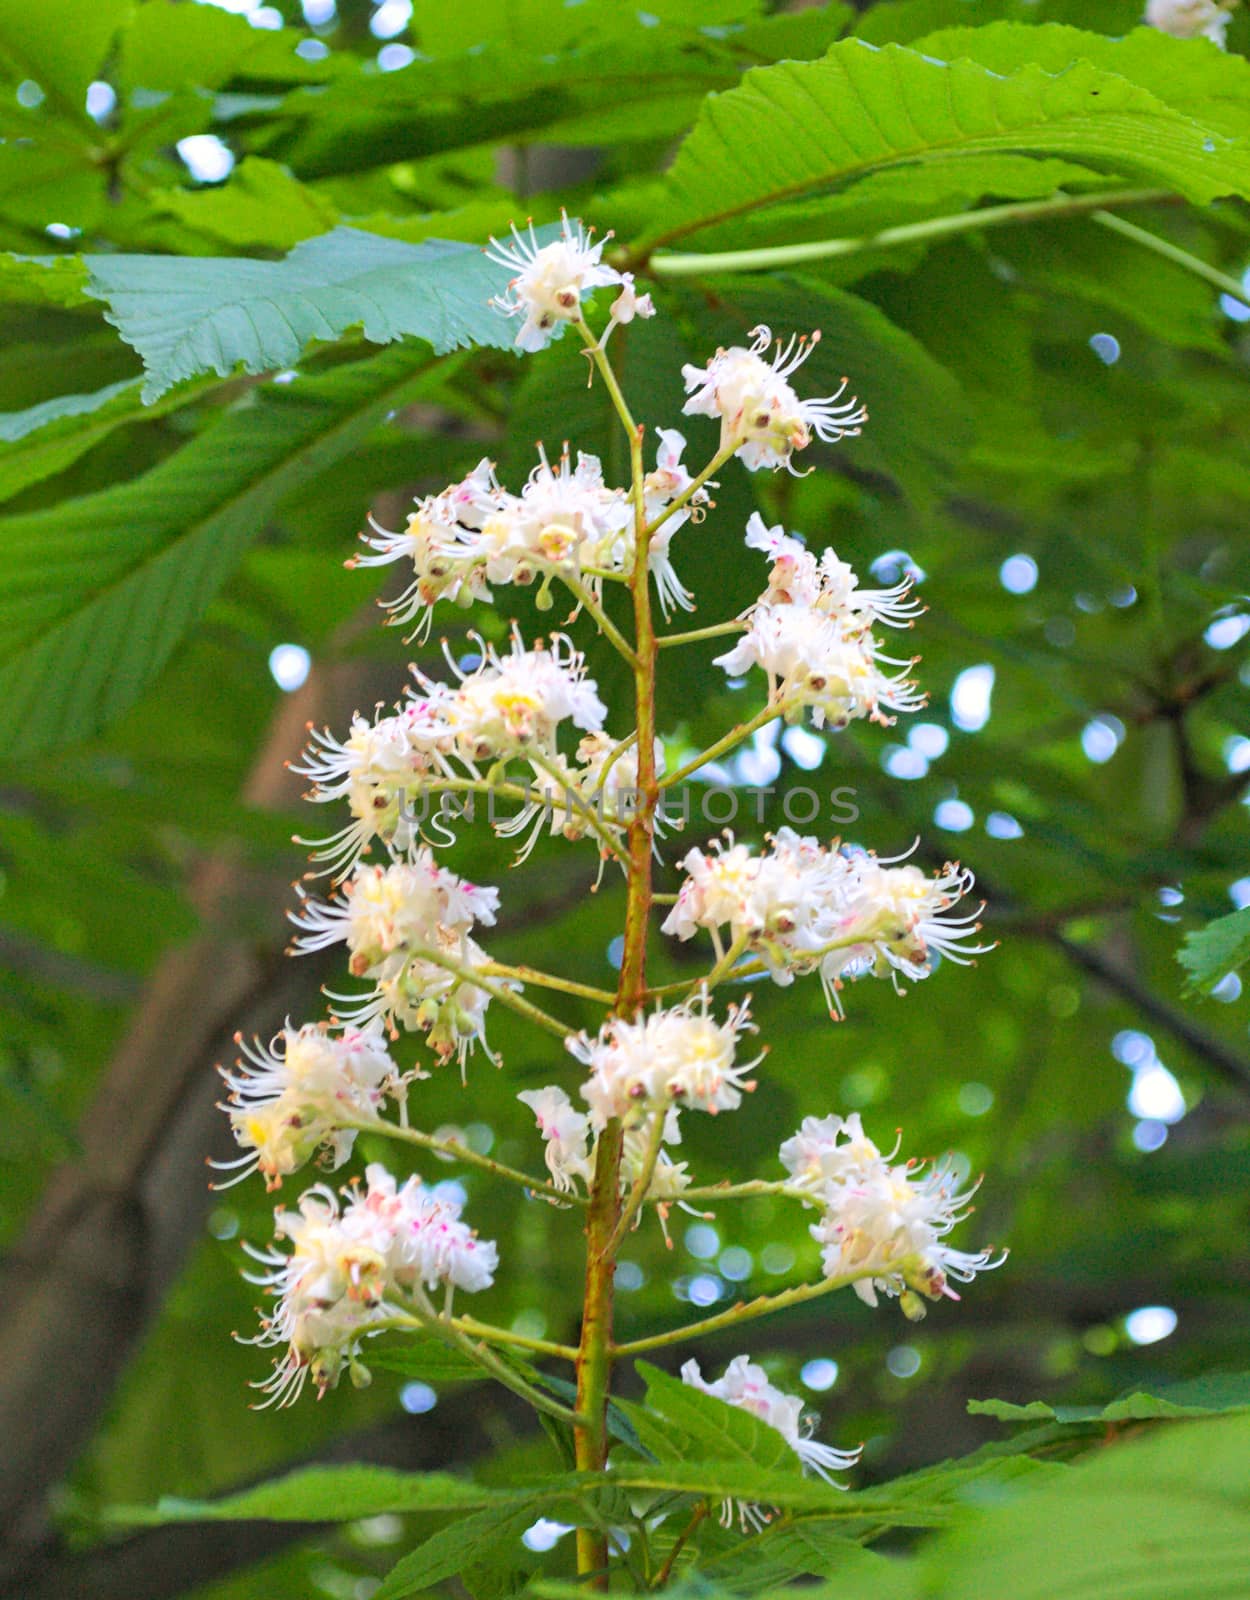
(802, 907)
(883, 1224)
(551, 280)
(676, 1057)
(351, 1269)
(759, 412)
(295, 1097)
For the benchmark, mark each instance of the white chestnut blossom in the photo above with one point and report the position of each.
(550, 280)
(379, 768)
(746, 1385)
(512, 704)
(387, 917)
(430, 541)
(828, 1149)
(350, 1267)
(814, 664)
(825, 583)
(801, 908)
(759, 412)
(289, 1099)
(595, 794)
(888, 1224)
(571, 1142)
(894, 918)
(566, 1135)
(1191, 19)
(681, 1056)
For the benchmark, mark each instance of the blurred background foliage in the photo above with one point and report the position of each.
(1057, 453)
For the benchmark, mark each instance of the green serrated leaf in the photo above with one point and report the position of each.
(44, 439)
(1198, 1397)
(42, 280)
(711, 1429)
(1161, 1518)
(325, 1494)
(187, 316)
(99, 591)
(801, 127)
(1210, 953)
(1194, 75)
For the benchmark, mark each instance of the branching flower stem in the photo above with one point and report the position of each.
(744, 1311)
(497, 991)
(688, 494)
(731, 740)
(447, 1329)
(694, 635)
(594, 1360)
(547, 980)
(462, 1153)
(603, 622)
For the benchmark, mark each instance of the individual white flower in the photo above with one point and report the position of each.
(889, 1223)
(431, 541)
(566, 1134)
(1191, 19)
(746, 1386)
(826, 583)
(813, 663)
(828, 1148)
(681, 1057)
(550, 280)
(422, 996)
(379, 767)
(512, 704)
(759, 411)
(420, 1233)
(627, 305)
(289, 1099)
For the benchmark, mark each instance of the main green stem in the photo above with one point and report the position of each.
(594, 1355)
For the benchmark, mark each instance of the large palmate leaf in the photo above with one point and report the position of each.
(802, 127)
(1195, 77)
(581, 76)
(43, 439)
(96, 593)
(1166, 1518)
(186, 316)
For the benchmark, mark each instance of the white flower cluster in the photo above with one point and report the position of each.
(759, 411)
(1191, 19)
(885, 1223)
(811, 632)
(353, 1266)
(566, 522)
(677, 1057)
(395, 921)
(289, 1100)
(509, 705)
(746, 1386)
(551, 280)
(802, 907)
